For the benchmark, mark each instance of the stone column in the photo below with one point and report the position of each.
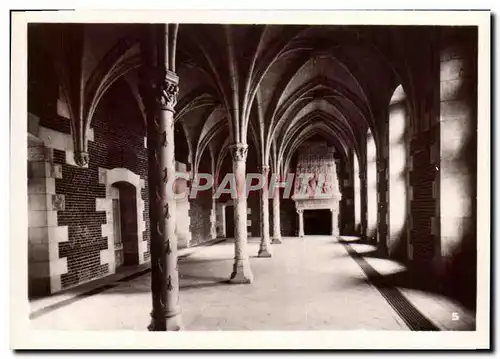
(335, 222)
(213, 220)
(161, 176)
(265, 243)
(300, 212)
(223, 221)
(241, 269)
(276, 217)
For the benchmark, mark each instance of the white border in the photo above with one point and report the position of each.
(23, 337)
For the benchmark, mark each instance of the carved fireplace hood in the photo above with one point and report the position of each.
(316, 181)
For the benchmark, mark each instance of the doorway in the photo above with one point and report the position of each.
(125, 224)
(317, 222)
(229, 211)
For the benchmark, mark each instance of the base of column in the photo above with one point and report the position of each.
(383, 250)
(264, 252)
(276, 240)
(170, 323)
(301, 235)
(242, 274)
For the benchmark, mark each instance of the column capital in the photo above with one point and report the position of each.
(239, 151)
(81, 158)
(169, 90)
(264, 169)
(300, 211)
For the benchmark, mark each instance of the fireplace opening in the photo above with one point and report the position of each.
(317, 222)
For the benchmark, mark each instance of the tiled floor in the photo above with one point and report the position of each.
(308, 284)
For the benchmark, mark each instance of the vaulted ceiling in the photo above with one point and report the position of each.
(275, 86)
(272, 86)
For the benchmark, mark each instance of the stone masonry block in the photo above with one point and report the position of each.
(58, 202)
(107, 256)
(58, 266)
(103, 204)
(56, 171)
(40, 153)
(38, 252)
(55, 283)
(37, 169)
(37, 186)
(56, 139)
(42, 218)
(44, 235)
(39, 269)
(39, 202)
(102, 175)
(107, 230)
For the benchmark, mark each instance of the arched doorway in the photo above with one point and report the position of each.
(357, 197)
(398, 175)
(125, 224)
(371, 186)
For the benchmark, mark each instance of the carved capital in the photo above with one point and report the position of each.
(300, 211)
(169, 91)
(264, 169)
(82, 158)
(239, 151)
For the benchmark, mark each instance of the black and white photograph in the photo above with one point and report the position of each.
(250, 180)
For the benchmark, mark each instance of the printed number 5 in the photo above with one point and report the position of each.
(455, 316)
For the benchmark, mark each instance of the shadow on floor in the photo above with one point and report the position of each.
(418, 276)
(201, 260)
(203, 278)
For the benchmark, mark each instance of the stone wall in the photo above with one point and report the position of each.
(83, 206)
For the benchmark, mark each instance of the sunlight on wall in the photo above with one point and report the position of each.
(371, 185)
(398, 151)
(357, 195)
(456, 126)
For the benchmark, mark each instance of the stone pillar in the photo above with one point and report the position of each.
(265, 243)
(276, 217)
(45, 266)
(213, 220)
(300, 212)
(241, 269)
(223, 221)
(161, 176)
(335, 222)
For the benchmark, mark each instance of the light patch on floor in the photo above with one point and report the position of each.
(308, 284)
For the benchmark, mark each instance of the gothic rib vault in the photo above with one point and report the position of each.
(244, 98)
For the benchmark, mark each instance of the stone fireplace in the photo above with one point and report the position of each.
(316, 183)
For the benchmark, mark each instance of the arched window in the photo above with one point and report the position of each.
(398, 173)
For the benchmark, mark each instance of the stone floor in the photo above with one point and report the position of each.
(309, 284)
